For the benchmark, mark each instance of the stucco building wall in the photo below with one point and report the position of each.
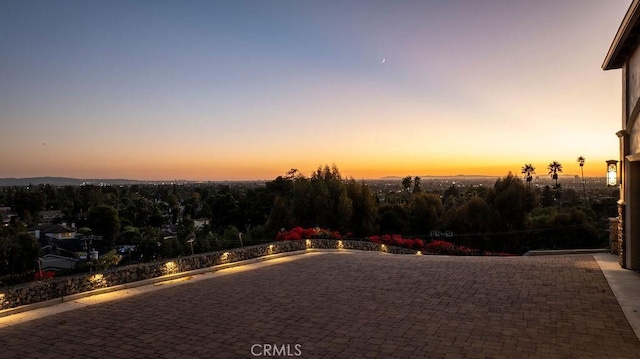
(624, 54)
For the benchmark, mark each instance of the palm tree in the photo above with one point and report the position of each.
(584, 189)
(416, 185)
(406, 183)
(554, 167)
(528, 170)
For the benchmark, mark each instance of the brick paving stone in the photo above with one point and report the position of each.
(354, 305)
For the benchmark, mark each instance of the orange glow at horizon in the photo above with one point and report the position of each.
(212, 170)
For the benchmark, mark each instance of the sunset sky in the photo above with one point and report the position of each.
(230, 90)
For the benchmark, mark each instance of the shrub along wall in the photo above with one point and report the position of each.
(35, 292)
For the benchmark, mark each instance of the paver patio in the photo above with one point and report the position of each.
(354, 305)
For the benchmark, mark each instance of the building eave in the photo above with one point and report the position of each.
(626, 39)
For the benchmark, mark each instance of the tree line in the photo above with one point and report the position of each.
(160, 220)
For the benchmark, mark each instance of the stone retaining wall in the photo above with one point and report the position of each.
(614, 243)
(35, 292)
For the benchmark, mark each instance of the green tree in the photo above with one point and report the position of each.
(108, 260)
(557, 192)
(225, 208)
(584, 188)
(451, 196)
(364, 208)
(512, 200)
(322, 200)
(92, 196)
(150, 242)
(425, 213)
(344, 211)
(303, 207)
(137, 209)
(280, 216)
(171, 247)
(547, 197)
(562, 228)
(475, 215)
(155, 218)
(281, 186)
(186, 232)
(471, 220)
(393, 219)
(104, 221)
(29, 203)
(230, 237)
(204, 242)
(18, 250)
(570, 197)
(331, 203)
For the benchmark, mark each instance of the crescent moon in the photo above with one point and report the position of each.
(383, 60)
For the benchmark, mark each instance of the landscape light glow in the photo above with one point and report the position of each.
(97, 278)
(170, 267)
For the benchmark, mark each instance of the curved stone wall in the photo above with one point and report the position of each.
(57, 288)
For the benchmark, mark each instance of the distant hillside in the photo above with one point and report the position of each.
(67, 181)
(64, 181)
(439, 176)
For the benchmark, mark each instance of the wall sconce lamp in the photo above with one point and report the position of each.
(612, 173)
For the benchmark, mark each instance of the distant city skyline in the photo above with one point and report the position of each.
(244, 90)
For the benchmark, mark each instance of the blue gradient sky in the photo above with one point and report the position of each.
(211, 90)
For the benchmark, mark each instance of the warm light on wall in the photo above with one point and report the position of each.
(340, 244)
(170, 267)
(383, 248)
(612, 173)
(98, 280)
(308, 242)
(419, 253)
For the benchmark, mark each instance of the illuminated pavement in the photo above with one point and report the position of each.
(345, 305)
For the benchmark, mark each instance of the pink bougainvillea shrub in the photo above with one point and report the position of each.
(299, 233)
(433, 247)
